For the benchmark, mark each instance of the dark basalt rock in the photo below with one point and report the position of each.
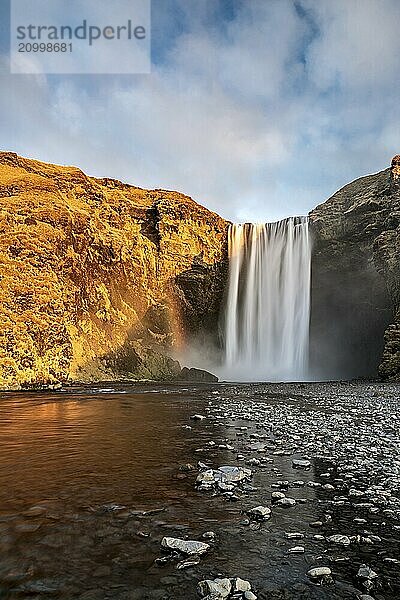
(355, 324)
(191, 374)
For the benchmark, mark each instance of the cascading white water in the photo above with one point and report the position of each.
(268, 303)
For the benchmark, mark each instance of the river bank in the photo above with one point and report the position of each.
(93, 479)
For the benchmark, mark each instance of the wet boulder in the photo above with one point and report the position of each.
(223, 479)
(320, 575)
(216, 588)
(186, 547)
(259, 513)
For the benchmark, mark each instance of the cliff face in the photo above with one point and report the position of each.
(100, 279)
(356, 278)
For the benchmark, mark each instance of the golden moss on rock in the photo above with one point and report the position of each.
(100, 279)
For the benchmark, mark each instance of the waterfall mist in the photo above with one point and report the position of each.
(267, 316)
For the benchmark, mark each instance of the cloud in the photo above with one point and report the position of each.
(80, 27)
(258, 113)
(358, 46)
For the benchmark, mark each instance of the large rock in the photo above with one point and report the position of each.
(187, 547)
(355, 326)
(197, 375)
(100, 279)
(215, 589)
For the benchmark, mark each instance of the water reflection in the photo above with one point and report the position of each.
(88, 448)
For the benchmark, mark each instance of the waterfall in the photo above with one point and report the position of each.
(268, 301)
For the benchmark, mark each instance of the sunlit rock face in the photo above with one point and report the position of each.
(355, 318)
(100, 279)
(395, 170)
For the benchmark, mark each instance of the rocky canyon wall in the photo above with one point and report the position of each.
(99, 279)
(355, 323)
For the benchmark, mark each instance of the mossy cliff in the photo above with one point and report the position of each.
(100, 279)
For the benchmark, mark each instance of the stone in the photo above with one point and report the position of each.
(188, 547)
(234, 474)
(215, 588)
(162, 561)
(193, 374)
(353, 493)
(206, 477)
(277, 496)
(197, 417)
(225, 487)
(286, 502)
(249, 596)
(301, 464)
(260, 513)
(319, 572)
(390, 560)
(203, 466)
(187, 468)
(240, 585)
(253, 462)
(283, 485)
(340, 540)
(365, 572)
(316, 524)
(224, 479)
(357, 445)
(192, 561)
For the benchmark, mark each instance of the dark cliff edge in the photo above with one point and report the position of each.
(355, 321)
(100, 280)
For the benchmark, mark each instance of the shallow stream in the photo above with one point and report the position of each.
(92, 479)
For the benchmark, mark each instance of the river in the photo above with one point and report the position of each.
(92, 479)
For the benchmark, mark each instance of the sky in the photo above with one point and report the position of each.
(257, 109)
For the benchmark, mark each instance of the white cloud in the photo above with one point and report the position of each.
(358, 45)
(250, 121)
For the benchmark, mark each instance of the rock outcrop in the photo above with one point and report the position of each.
(395, 171)
(356, 278)
(100, 279)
